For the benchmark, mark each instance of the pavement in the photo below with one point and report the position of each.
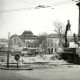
(31, 66)
(57, 72)
(10, 68)
(13, 75)
(14, 67)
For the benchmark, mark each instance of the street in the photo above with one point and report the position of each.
(13, 75)
(60, 72)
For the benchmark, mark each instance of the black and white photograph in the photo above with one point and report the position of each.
(39, 39)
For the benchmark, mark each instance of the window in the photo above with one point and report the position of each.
(28, 45)
(24, 49)
(51, 44)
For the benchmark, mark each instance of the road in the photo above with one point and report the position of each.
(13, 75)
(62, 72)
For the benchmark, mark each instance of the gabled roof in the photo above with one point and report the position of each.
(15, 35)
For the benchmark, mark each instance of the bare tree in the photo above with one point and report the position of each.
(42, 41)
(59, 29)
(42, 38)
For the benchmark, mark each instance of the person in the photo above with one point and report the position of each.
(68, 26)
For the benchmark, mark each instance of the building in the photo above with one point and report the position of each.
(53, 41)
(29, 39)
(26, 40)
(15, 43)
(50, 43)
(3, 44)
(46, 44)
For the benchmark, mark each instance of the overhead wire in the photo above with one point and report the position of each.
(45, 6)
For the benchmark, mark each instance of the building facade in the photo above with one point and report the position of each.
(50, 43)
(26, 40)
(3, 44)
(29, 39)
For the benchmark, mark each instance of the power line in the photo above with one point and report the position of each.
(41, 6)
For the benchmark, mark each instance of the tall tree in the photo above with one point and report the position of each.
(59, 29)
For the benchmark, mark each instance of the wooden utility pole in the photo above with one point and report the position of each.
(8, 51)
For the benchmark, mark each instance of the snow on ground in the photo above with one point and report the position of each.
(51, 59)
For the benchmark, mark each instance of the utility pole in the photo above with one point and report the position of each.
(78, 4)
(8, 51)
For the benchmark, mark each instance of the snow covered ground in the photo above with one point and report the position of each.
(50, 59)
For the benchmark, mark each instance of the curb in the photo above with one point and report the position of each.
(16, 68)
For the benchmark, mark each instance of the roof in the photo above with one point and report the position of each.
(28, 37)
(15, 35)
(57, 36)
(27, 33)
(53, 36)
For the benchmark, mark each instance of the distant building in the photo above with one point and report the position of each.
(52, 42)
(27, 39)
(3, 44)
(16, 43)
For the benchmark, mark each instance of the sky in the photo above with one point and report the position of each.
(39, 21)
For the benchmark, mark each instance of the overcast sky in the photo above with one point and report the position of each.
(38, 21)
